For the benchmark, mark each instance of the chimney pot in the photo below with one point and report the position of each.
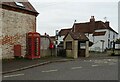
(92, 19)
(107, 23)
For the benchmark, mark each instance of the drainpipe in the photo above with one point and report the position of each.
(113, 47)
(102, 45)
(56, 42)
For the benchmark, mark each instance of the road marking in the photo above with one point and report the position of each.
(76, 67)
(85, 60)
(112, 63)
(90, 60)
(15, 75)
(105, 62)
(94, 65)
(50, 70)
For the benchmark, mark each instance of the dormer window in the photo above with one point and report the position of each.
(19, 4)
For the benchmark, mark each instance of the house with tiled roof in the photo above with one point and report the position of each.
(99, 32)
(61, 35)
(18, 18)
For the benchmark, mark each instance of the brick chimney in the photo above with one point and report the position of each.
(107, 24)
(92, 19)
(92, 24)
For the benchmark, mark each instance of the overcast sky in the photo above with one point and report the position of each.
(57, 14)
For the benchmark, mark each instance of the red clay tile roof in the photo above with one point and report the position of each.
(86, 28)
(100, 25)
(81, 27)
(99, 33)
(27, 6)
(77, 36)
(63, 32)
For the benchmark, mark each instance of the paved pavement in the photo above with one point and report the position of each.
(80, 69)
(13, 65)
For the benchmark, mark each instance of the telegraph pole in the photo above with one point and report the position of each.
(56, 42)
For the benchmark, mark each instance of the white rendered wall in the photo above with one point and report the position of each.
(97, 40)
(60, 38)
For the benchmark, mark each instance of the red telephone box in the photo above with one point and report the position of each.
(33, 45)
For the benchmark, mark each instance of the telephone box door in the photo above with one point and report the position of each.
(33, 45)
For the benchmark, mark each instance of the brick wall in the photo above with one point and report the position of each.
(15, 25)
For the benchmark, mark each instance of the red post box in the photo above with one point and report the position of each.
(33, 45)
(51, 45)
(17, 50)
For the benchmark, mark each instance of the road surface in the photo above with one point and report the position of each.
(80, 69)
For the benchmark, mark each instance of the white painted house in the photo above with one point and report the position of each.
(99, 32)
(103, 39)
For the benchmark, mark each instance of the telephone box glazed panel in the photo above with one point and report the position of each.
(33, 45)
